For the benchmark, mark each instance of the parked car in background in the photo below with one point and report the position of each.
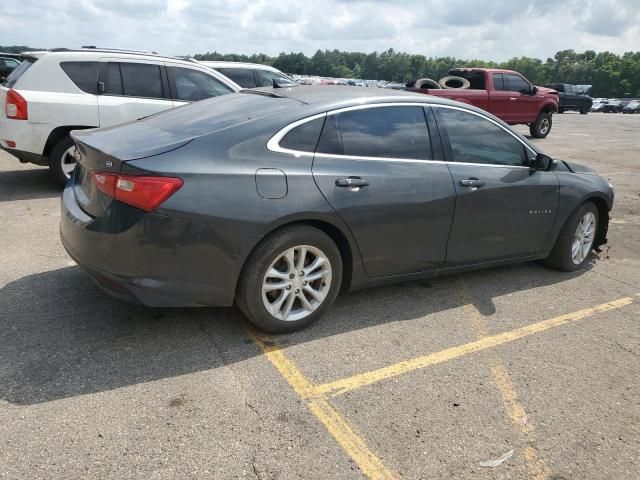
(613, 105)
(506, 94)
(598, 105)
(54, 92)
(7, 65)
(632, 107)
(278, 200)
(251, 75)
(572, 97)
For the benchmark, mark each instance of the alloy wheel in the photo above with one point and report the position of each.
(296, 283)
(68, 161)
(583, 238)
(544, 126)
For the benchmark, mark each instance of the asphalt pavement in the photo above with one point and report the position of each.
(532, 371)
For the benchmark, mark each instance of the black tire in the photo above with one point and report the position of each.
(249, 292)
(560, 256)
(584, 110)
(542, 126)
(561, 110)
(57, 157)
(453, 82)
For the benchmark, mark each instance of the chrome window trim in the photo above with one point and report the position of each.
(274, 142)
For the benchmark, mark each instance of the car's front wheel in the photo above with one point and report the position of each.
(61, 160)
(290, 279)
(542, 126)
(584, 110)
(575, 240)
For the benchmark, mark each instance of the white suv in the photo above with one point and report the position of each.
(54, 92)
(251, 75)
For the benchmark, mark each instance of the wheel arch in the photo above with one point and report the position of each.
(58, 134)
(346, 246)
(549, 107)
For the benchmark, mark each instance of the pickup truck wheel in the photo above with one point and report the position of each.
(584, 110)
(61, 160)
(542, 126)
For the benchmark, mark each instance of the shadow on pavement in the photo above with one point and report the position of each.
(61, 336)
(27, 184)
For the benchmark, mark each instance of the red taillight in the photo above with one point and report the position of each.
(146, 193)
(16, 106)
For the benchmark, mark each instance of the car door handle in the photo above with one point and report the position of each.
(351, 182)
(471, 182)
(513, 99)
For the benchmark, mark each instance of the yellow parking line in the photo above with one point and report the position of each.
(335, 423)
(345, 385)
(510, 401)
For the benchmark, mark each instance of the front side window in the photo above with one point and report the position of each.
(242, 76)
(83, 74)
(142, 80)
(516, 83)
(386, 132)
(267, 77)
(475, 139)
(193, 85)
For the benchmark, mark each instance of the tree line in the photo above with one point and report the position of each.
(610, 74)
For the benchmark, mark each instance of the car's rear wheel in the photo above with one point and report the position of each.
(584, 110)
(61, 160)
(542, 126)
(576, 238)
(290, 279)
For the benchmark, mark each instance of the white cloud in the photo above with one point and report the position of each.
(492, 30)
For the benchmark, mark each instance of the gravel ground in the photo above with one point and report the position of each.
(94, 388)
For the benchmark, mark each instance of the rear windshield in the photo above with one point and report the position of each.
(476, 79)
(19, 71)
(83, 74)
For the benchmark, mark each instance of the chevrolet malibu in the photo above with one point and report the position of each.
(278, 199)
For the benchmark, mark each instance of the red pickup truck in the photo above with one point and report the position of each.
(506, 94)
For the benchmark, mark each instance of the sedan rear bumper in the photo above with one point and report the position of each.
(153, 259)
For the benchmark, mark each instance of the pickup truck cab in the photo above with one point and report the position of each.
(506, 94)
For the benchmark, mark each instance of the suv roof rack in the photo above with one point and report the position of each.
(93, 48)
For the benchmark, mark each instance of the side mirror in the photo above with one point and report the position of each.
(533, 90)
(541, 162)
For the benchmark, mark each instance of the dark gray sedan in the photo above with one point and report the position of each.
(278, 199)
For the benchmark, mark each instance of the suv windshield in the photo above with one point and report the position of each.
(19, 71)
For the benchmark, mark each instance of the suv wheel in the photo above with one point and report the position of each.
(584, 110)
(575, 241)
(290, 279)
(61, 160)
(542, 126)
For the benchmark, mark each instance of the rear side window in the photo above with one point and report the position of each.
(475, 139)
(516, 83)
(266, 78)
(193, 85)
(303, 138)
(19, 71)
(83, 74)
(242, 76)
(113, 80)
(142, 80)
(498, 82)
(386, 132)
